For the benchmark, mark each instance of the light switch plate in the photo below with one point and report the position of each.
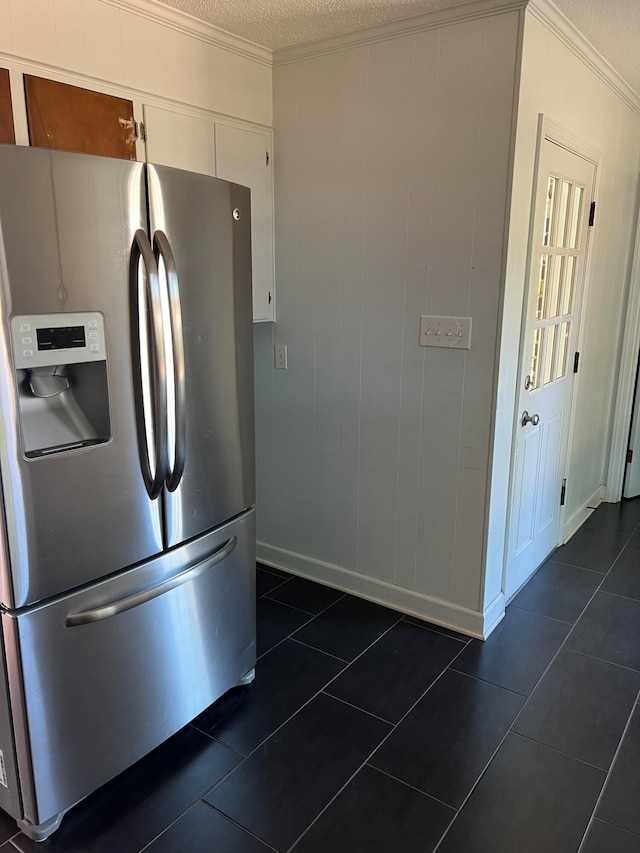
(449, 332)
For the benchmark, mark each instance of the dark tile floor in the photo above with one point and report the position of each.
(369, 731)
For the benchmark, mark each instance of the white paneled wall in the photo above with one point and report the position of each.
(140, 50)
(558, 84)
(392, 174)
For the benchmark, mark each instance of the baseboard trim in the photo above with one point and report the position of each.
(434, 610)
(575, 522)
(494, 614)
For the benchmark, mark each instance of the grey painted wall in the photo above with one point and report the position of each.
(392, 171)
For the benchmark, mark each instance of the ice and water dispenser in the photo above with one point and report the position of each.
(61, 368)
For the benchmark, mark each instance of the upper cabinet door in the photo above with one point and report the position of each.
(197, 143)
(73, 119)
(179, 139)
(7, 133)
(243, 156)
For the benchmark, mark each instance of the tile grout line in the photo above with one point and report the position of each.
(490, 683)
(311, 698)
(276, 573)
(356, 707)
(546, 616)
(602, 660)
(373, 752)
(413, 787)
(300, 609)
(223, 816)
(510, 730)
(617, 594)
(435, 629)
(282, 583)
(564, 563)
(615, 826)
(562, 752)
(606, 779)
(316, 649)
(195, 802)
(239, 826)
(233, 749)
(243, 757)
(311, 618)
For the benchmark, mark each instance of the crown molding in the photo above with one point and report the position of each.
(157, 12)
(549, 14)
(466, 11)
(544, 10)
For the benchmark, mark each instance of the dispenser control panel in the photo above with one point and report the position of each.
(46, 340)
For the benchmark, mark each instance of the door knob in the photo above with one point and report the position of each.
(529, 419)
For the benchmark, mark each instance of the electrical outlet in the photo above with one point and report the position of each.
(450, 332)
(280, 356)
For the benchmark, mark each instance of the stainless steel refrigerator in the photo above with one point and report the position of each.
(127, 561)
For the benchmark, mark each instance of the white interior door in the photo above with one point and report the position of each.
(556, 276)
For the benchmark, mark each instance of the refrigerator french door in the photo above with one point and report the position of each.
(127, 594)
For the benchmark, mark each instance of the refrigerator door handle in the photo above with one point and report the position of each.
(162, 249)
(158, 391)
(105, 611)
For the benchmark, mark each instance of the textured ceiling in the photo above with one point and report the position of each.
(612, 26)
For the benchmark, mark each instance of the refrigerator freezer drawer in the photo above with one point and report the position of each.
(110, 672)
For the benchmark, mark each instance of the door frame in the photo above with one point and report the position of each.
(555, 132)
(623, 406)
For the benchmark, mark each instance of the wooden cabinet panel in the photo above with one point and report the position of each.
(70, 118)
(7, 133)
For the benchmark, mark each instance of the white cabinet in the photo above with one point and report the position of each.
(179, 139)
(202, 143)
(243, 156)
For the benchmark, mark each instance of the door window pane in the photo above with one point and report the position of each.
(569, 285)
(536, 353)
(548, 213)
(541, 308)
(563, 349)
(562, 214)
(550, 353)
(576, 218)
(556, 284)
